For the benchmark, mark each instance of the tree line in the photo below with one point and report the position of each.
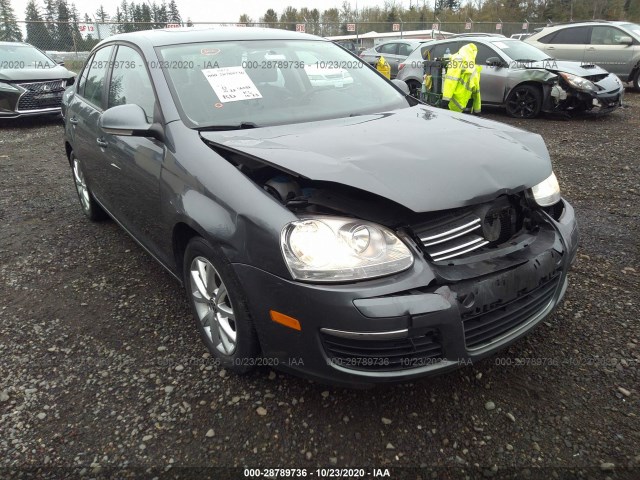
(56, 24)
(421, 14)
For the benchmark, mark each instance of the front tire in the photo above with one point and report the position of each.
(90, 207)
(524, 101)
(636, 80)
(219, 306)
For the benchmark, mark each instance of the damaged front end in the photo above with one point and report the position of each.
(586, 88)
(484, 274)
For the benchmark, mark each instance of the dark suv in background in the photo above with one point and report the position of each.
(614, 46)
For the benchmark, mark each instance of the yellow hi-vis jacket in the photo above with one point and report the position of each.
(462, 80)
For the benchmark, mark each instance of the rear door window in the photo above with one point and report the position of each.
(388, 48)
(571, 36)
(405, 49)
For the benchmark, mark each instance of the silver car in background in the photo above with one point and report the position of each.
(394, 52)
(614, 46)
(523, 79)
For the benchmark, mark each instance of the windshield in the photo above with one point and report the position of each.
(23, 56)
(272, 82)
(520, 51)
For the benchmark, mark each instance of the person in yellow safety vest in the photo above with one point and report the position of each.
(462, 81)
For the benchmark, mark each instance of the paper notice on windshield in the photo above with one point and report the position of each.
(231, 84)
(501, 45)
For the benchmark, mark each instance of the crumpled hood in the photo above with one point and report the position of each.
(36, 74)
(423, 158)
(574, 68)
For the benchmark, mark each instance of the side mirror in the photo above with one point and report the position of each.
(127, 120)
(626, 40)
(495, 62)
(402, 85)
(62, 63)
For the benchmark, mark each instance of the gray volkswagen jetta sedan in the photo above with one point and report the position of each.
(343, 231)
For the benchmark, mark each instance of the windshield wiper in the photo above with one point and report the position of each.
(216, 128)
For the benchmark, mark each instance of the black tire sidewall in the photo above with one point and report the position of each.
(416, 91)
(535, 91)
(636, 80)
(247, 347)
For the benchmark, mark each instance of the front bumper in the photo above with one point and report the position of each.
(608, 99)
(30, 113)
(405, 326)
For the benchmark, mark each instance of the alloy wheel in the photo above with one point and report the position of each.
(213, 305)
(81, 185)
(523, 103)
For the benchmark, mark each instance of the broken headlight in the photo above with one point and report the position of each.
(547, 192)
(334, 249)
(579, 83)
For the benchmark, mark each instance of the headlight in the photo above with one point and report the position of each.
(333, 249)
(579, 83)
(547, 192)
(7, 87)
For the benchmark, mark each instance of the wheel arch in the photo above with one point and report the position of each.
(68, 149)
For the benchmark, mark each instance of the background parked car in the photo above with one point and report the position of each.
(520, 36)
(614, 46)
(31, 83)
(347, 45)
(523, 79)
(394, 52)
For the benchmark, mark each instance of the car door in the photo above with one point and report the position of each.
(133, 164)
(85, 108)
(568, 43)
(606, 50)
(493, 79)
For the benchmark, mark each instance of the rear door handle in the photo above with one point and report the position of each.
(100, 141)
(73, 120)
(550, 48)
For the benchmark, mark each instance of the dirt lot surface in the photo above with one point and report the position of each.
(103, 373)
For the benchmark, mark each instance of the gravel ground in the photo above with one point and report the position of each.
(102, 371)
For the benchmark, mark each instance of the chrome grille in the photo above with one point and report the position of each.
(454, 233)
(454, 238)
(41, 95)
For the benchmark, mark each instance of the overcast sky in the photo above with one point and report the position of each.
(216, 10)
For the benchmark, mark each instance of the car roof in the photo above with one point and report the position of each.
(13, 44)
(477, 38)
(175, 36)
(586, 23)
(477, 34)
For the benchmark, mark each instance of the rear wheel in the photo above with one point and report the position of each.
(636, 80)
(219, 306)
(524, 101)
(89, 206)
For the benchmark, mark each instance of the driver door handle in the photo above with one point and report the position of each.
(100, 141)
